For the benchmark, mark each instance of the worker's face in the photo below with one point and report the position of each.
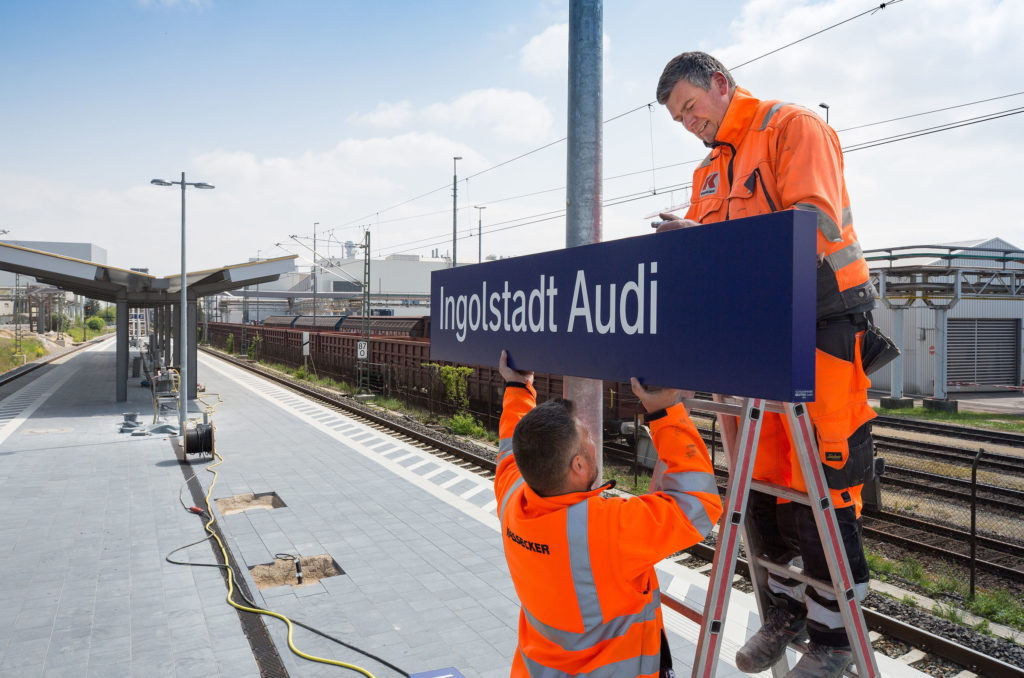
(700, 111)
(588, 453)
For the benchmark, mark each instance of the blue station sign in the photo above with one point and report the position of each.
(727, 308)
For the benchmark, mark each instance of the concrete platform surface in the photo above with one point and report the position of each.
(92, 512)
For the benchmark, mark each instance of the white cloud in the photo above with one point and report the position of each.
(389, 115)
(905, 59)
(547, 53)
(517, 116)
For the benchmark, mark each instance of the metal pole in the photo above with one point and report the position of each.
(480, 233)
(183, 328)
(896, 387)
(939, 390)
(974, 510)
(258, 252)
(583, 195)
(455, 202)
(313, 270)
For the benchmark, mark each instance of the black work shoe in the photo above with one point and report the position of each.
(780, 627)
(822, 661)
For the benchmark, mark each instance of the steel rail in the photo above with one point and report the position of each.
(28, 368)
(340, 403)
(952, 430)
(978, 662)
(941, 647)
(891, 478)
(1005, 463)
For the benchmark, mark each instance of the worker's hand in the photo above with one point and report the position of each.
(655, 399)
(508, 374)
(673, 223)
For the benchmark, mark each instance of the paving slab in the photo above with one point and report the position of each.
(93, 512)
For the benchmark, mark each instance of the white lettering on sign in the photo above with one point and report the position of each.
(630, 307)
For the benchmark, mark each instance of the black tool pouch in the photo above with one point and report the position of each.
(876, 350)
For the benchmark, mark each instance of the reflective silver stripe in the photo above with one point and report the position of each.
(572, 641)
(794, 590)
(825, 616)
(679, 485)
(826, 225)
(845, 256)
(504, 500)
(705, 162)
(504, 449)
(847, 216)
(645, 664)
(579, 561)
(771, 113)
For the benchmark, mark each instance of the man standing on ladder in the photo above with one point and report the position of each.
(768, 156)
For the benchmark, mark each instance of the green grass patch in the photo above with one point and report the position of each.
(31, 348)
(998, 606)
(624, 479)
(464, 424)
(1001, 607)
(388, 403)
(1000, 422)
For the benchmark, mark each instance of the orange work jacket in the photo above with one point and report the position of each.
(583, 565)
(770, 156)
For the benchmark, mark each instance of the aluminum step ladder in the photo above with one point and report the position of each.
(739, 438)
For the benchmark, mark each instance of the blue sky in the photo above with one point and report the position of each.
(334, 112)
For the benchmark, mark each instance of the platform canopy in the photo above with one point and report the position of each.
(108, 283)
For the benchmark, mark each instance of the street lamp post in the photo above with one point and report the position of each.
(455, 209)
(825, 106)
(315, 224)
(183, 387)
(480, 233)
(258, 252)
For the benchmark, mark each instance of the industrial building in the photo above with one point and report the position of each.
(957, 311)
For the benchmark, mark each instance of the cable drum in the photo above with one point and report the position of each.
(199, 439)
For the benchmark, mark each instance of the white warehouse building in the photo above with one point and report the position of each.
(957, 312)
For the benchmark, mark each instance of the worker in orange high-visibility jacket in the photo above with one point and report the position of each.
(582, 564)
(768, 156)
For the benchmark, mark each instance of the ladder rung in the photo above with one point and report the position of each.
(791, 572)
(780, 491)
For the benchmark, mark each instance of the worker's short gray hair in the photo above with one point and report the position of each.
(694, 67)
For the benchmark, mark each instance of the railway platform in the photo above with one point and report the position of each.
(91, 512)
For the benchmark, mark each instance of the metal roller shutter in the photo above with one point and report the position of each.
(982, 352)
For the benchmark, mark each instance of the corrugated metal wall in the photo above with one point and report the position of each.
(984, 336)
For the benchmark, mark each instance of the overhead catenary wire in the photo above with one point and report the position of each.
(936, 110)
(536, 218)
(611, 202)
(933, 130)
(874, 9)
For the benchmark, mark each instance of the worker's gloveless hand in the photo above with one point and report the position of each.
(655, 399)
(508, 374)
(672, 223)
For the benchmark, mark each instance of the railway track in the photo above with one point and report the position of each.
(483, 463)
(952, 431)
(18, 372)
(937, 452)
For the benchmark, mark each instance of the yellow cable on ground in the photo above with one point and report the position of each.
(256, 610)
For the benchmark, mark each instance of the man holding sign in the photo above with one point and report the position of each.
(583, 565)
(768, 156)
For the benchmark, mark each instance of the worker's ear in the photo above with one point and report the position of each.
(719, 83)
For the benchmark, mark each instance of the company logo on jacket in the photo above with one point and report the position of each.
(710, 186)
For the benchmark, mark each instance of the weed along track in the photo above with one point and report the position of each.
(998, 559)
